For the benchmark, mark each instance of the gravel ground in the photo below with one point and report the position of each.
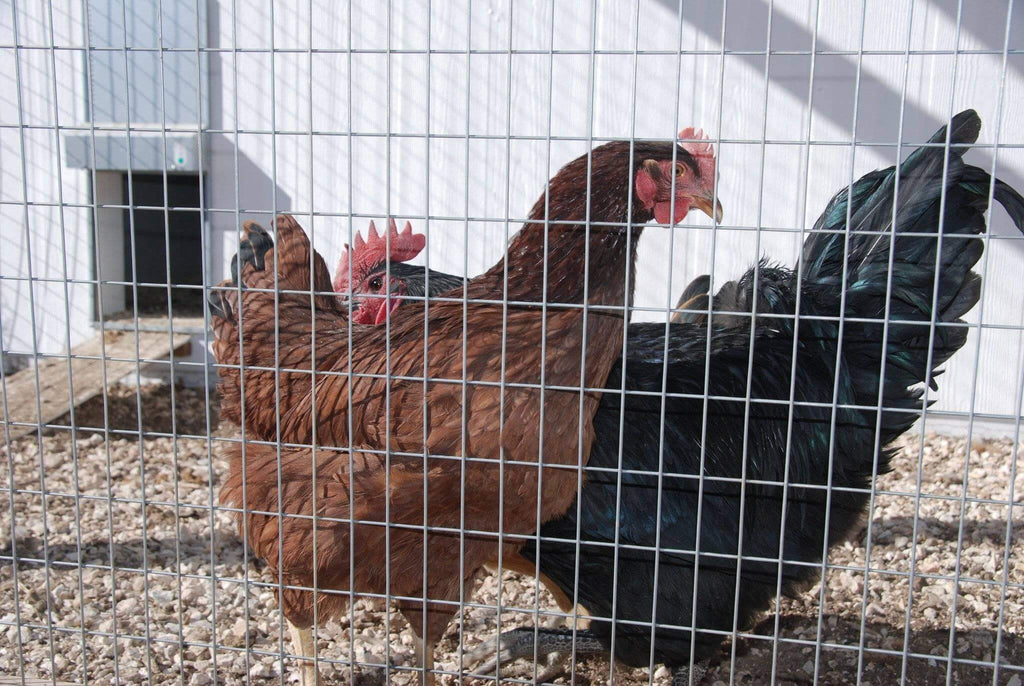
(173, 539)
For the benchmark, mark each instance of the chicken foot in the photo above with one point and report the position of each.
(517, 643)
(681, 675)
(303, 646)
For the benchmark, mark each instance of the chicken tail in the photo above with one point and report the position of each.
(912, 242)
(264, 317)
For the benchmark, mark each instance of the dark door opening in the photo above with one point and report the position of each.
(180, 230)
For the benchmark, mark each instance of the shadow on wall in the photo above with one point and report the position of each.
(879, 103)
(247, 188)
(249, 181)
(238, 188)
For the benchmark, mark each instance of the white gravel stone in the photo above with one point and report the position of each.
(892, 522)
(260, 670)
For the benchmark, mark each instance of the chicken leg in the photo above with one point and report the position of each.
(425, 659)
(304, 647)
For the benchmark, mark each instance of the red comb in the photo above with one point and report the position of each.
(367, 253)
(694, 142)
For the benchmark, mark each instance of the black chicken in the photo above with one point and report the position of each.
(617, 518)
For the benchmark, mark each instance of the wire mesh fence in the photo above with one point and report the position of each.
(250, 437)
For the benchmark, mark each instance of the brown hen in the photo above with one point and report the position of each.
(445, 432)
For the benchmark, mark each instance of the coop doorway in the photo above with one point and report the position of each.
(167, 230)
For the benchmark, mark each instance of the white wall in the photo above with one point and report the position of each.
(58, 238)
(787, 191)
(328, 91)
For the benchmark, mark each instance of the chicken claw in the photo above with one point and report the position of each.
(681, 675)
(518, 643)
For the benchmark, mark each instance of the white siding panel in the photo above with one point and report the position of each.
(29, 166)
(779, 185)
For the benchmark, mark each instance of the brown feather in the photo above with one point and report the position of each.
(387, 412)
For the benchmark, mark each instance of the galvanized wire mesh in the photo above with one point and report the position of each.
(51, 106)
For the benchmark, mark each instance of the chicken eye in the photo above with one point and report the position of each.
(376, 283)
(680, 170)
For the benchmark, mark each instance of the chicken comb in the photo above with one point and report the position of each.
(372, 251)
(696, 142)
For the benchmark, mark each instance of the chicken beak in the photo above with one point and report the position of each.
(386, 308)
(709, 206)
(390, 304)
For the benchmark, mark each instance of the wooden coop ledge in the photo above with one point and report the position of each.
(113, 350)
